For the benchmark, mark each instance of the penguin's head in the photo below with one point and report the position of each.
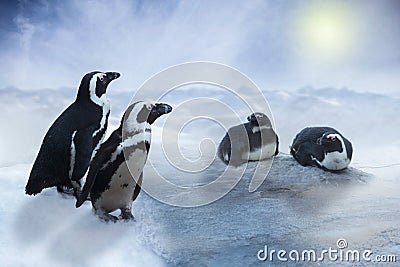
(157, 110)
(94, 86)
(331, 142)
(259, 119)
(144, 112)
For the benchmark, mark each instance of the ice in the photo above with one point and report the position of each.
(295, 207)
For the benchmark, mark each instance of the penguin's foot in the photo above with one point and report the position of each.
(109, 218)
(126, 215)
(106, 217)
(65, 191)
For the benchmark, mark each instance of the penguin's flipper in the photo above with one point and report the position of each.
(277, 146)
(90, 179)
(302, 154)
(101, 157)
(83, 142)
(224, 149)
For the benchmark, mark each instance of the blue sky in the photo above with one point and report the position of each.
(281, 45)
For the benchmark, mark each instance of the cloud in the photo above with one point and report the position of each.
(53, 43)
(136, 38)
(26, 30)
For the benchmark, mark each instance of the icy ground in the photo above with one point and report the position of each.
(295, 208)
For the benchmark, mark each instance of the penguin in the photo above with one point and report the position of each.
(323, 147)
(73, 138)
(113, 185)
(251, 141)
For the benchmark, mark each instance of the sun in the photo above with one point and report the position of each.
(325, 31)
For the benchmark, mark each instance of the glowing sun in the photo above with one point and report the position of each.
(325, 31)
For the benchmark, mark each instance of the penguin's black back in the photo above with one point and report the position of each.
(254, 141)
(51, 167)
(307, 138)
(225, 146)
(311, 134)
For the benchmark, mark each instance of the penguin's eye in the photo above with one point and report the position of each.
(331, 137)
(101, 76)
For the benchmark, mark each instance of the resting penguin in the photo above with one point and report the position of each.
(73, 138)
(111, 184)
(251, 141)
(323, 147)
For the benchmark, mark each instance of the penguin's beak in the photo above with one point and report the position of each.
(112, 76)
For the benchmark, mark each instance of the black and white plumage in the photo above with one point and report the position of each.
(73, 138)
(115, 173)
(323, 147)
(251, 141)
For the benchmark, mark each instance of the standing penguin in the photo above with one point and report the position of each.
(73, 138)
(251, 141)
(323, 147)
(115, 173)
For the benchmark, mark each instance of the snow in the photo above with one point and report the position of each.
(295, 208)
(48, 230)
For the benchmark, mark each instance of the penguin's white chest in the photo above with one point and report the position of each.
(102, 125)
(335, 161)
(122, 185)
(72, 155)
(264, 152)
